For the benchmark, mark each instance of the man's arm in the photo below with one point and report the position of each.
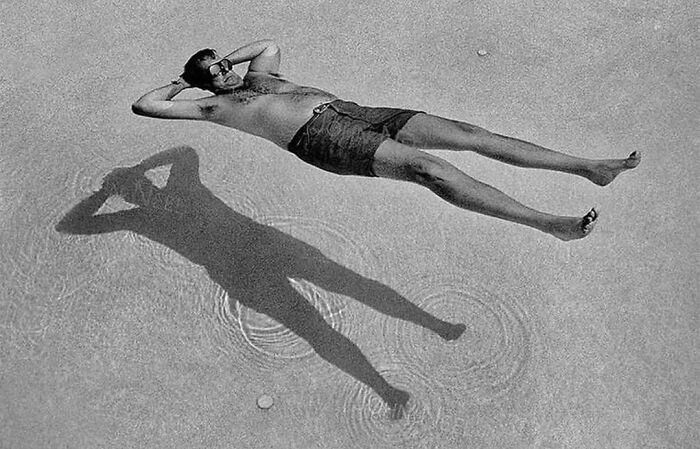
(159, 103)
(264, 56)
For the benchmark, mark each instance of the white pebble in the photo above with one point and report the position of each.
(265, 402)
(482, 52)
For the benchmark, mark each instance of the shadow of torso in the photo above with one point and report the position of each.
(251, 261)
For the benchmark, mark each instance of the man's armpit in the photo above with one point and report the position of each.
(208, 110)
(185, 109)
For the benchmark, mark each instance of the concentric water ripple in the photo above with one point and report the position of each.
(85, 181)
(272, 338)
(40, 286)
(244, 205)
(488, 359)
(32, 297)
(224, 333)
(367, 417)
(272, 341)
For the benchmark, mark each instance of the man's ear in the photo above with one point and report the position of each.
(191, 82)
(187, 79)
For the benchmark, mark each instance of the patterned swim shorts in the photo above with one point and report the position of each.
(343, 136)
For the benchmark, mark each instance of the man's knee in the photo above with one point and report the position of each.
(428, 170)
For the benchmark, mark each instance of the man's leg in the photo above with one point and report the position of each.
(432, 132)
(394, 160)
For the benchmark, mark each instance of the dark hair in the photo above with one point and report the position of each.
(194, 74)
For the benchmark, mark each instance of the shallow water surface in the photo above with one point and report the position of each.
(270, 277)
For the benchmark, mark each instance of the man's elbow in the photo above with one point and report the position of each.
(139, 108)
(148, 108)
(272, 48)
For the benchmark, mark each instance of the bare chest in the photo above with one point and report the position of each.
(259, 85)
(268, 107)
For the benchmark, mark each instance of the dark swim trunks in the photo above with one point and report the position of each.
(342, 136)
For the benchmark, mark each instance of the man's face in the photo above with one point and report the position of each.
(223, 78)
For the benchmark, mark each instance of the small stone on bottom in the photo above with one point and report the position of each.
(482, 52)
(265, 402)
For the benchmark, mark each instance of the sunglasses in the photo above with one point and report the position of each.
(222, 66)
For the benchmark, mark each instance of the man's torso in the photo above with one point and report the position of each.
(266, 106)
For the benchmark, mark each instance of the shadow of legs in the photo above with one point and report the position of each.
(294, 312)
(334, 277)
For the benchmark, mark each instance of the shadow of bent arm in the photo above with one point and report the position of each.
(81, 219)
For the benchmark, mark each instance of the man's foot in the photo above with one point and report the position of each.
(451, 331)
(572, 228)
(605, 171)
(396, 400)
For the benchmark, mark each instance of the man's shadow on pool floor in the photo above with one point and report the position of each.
(251, 261)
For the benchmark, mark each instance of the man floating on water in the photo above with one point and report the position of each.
(345, 138)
